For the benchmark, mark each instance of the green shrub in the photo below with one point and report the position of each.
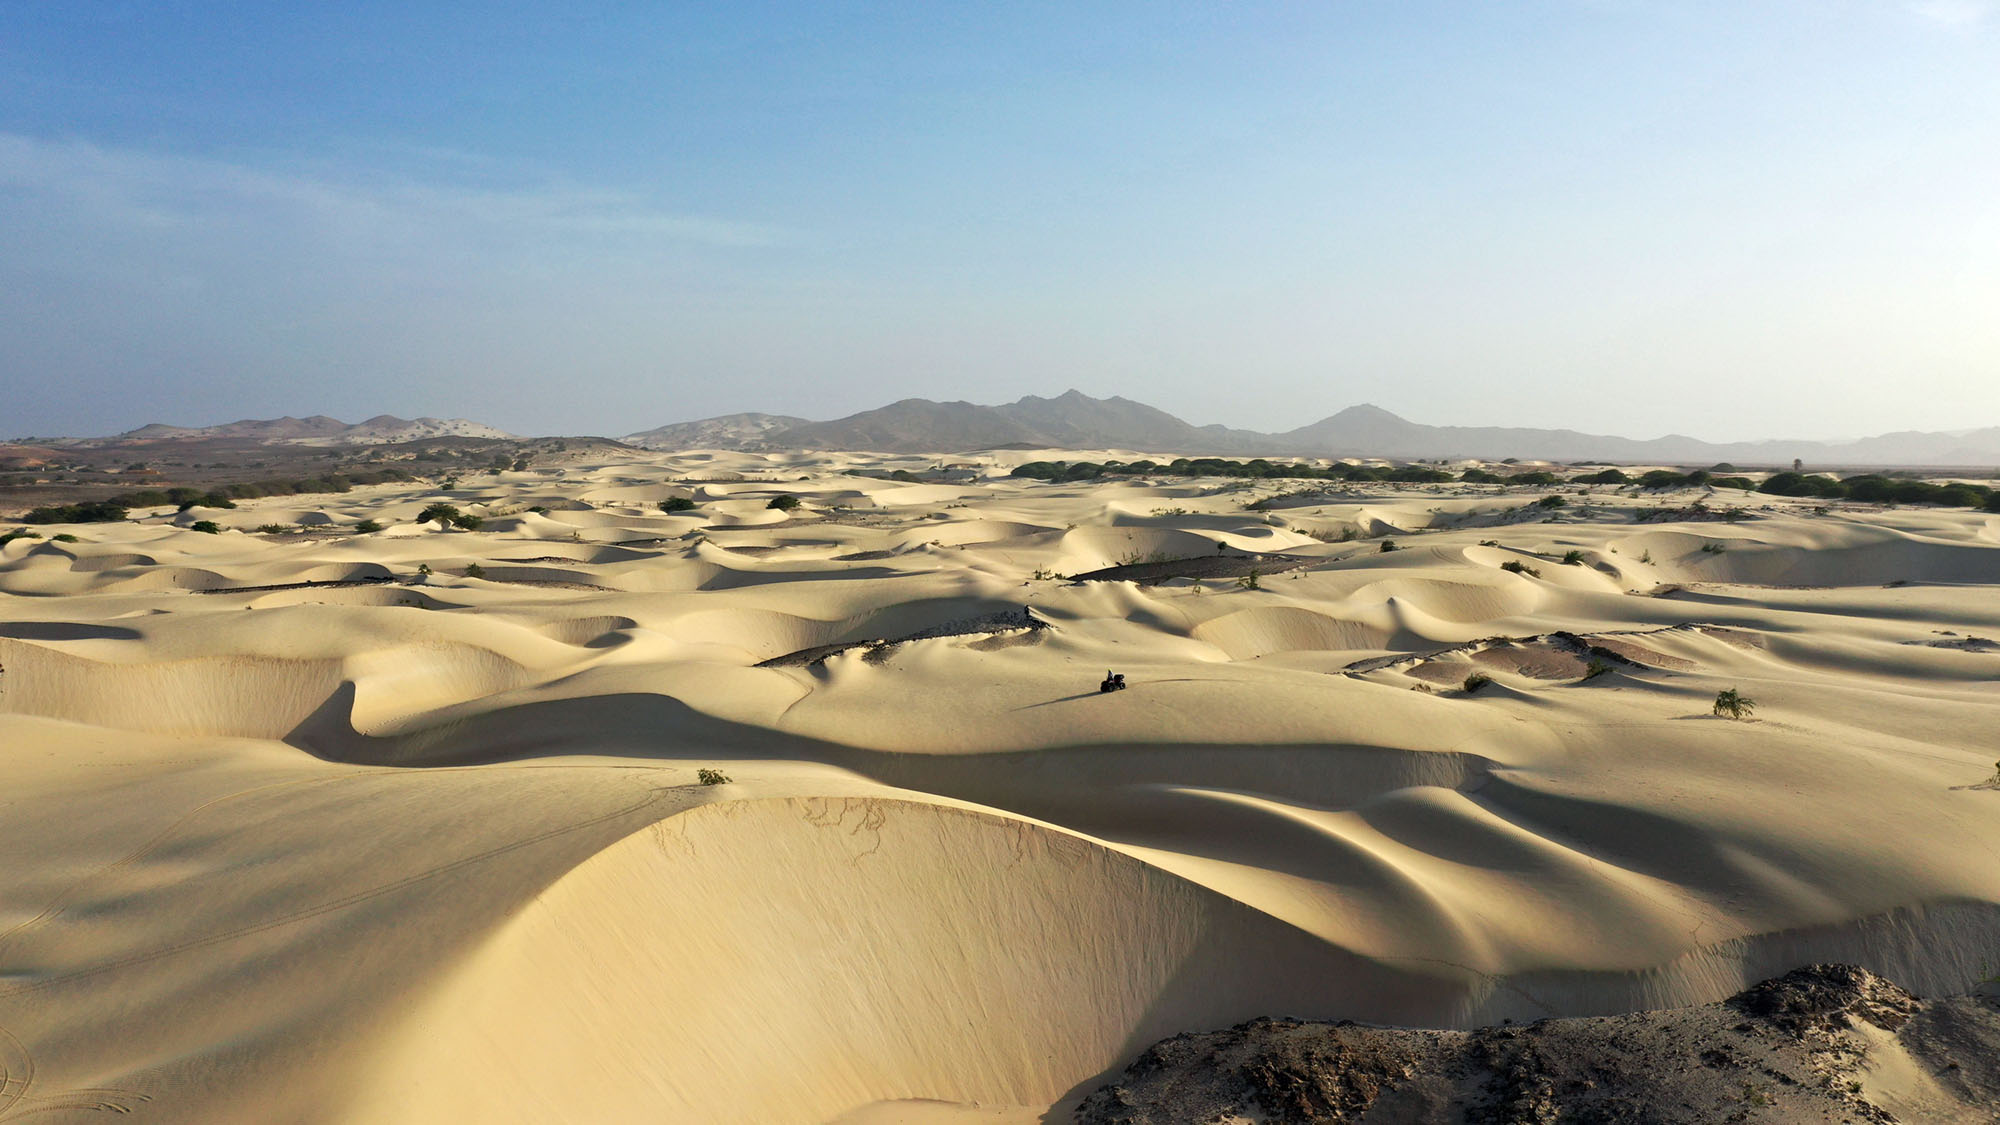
(64, 537)
(367, 527)
(1798, 484)
(442, 514)
(206, 527)
(1572, 558)
(1248, 582)
(677, 504)
(1729, 702)
(1608, 476)
(467, 522)
(785, 503)
(18, 533)
(1713, 548)
(1596, 668)
(1516, 566)
(474, 570)
(1552, 502)
(1388, 545)
(272, 528)
(89, 511)
(1476, 681)
(1539, 476)
(712, 777)
(1666, 478)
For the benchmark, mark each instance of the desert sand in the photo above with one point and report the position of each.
(294, 833)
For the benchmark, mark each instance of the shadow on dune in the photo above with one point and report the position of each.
(64, 631)
(635, 725)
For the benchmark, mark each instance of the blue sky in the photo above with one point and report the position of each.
(1735, 220)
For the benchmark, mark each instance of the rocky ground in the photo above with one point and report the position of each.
(1826, 1043)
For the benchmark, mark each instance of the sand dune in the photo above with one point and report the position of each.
(296, 831)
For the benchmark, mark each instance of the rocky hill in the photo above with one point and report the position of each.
(318, 430)
(728, 431)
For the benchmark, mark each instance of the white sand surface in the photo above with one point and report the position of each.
(435, 849)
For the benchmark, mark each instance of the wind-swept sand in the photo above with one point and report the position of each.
(282, 840)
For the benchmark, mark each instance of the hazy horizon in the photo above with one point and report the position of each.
(1612, 216)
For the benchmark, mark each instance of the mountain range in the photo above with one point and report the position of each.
(1075, 420)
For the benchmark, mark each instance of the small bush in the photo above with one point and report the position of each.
(1476, 681)
(272, 528)
(538, 509)
(1552, 502)
(442, 514)
(1388, 545)
(1713, 548)
(712, 777)
(1248, 582)
(367, 527)
(1647, 557)
(680, 504)
(1572, 558)
(206, 527)
(64, 537)
(424, 569)
(784, 503)
(18, 533)
(1596, 668)
(1729, 702)
(467, 522)
(1516, 566)
(474, 570)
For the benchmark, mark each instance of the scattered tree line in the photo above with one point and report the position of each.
(1218, 467)
(114, 508)
(1875, 488)
(1867, 487)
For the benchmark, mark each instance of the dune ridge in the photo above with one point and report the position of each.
(301, 831)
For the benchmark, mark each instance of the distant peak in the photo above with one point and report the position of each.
(1367, 410)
